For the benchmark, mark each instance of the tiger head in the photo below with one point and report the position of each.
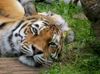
(47, 42)
(38, 22)
(35, 24)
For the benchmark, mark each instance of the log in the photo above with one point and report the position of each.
(13, 66)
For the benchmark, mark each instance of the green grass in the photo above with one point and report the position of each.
(78, 57)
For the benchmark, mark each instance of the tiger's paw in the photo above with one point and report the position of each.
(27, 60)
(69, 37)
(41, 60)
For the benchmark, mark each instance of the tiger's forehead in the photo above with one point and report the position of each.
(39, 17)
(43, 39)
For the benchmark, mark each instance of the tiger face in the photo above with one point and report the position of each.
(46, 44)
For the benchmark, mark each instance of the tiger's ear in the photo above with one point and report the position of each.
(52, 27)
(11, 9)
(50, 13)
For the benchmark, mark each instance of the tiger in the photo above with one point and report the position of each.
(44, 48)
(12, 33)
(38, 41)
(16, 9)
(15, 36)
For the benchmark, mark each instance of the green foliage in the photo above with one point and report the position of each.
(82, 56)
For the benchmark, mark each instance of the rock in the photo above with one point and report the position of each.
(92, 11)
(80, 16)
(29, 7)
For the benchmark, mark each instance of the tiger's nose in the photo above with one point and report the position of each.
(36, 25)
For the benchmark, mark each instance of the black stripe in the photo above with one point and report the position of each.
(24, 48)
(46, 24)
(24, 25)
(2, 25)
(0, 53)
(31, 18)
(18, 25)
(19, 0)
(46, 21)
(34, 30)
(10, 42)
(25, 31)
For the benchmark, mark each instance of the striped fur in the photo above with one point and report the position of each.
(43, 47)
(12, 33)
(58, 19)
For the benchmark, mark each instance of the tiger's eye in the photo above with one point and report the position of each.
(36, 25)
(16, 34)
(35, 30)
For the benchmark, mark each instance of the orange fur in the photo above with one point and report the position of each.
(11, 9)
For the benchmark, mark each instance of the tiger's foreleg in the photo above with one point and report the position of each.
(69, 37)
(39, 58)
(30, 59)
(27, 60)
(35, 61)
(27, 49)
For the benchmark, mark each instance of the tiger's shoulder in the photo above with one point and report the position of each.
(11, 9)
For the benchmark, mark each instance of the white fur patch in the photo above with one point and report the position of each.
(27, 61)
(58, 20)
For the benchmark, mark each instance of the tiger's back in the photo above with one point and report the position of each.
(11, 9)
